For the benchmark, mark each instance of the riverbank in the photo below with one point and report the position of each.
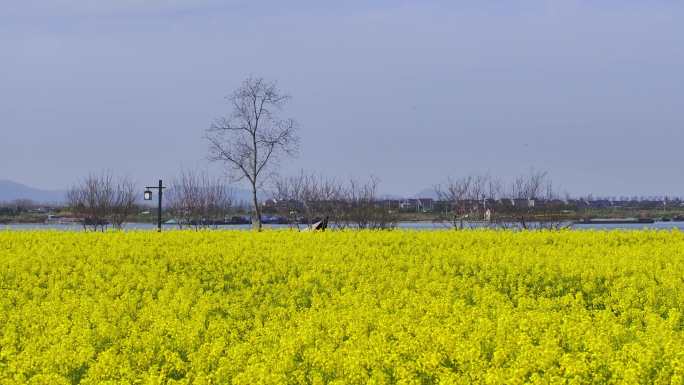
(405, 219)
(415, 225)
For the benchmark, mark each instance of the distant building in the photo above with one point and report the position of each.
(391, 204)
(600, 204)
(281, 205)
(417, 204)
(523, 203)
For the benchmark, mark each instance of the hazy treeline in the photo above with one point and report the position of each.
(103, 199)
(467, 197)
(193, 199)
(308, 197)
(22, 210)
(196, 200)
(533, 185)
(18, 206)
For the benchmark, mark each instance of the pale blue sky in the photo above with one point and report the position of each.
(411, 91)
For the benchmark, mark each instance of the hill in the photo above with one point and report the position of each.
(10, 191)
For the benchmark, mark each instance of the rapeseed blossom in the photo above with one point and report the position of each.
(346, 307)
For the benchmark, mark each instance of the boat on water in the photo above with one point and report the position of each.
(613, 221)
(60, 220)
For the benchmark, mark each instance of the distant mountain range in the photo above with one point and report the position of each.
(10, 191)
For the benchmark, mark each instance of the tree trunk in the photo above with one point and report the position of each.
(256, 217)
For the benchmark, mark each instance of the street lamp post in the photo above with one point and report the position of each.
(148, 197)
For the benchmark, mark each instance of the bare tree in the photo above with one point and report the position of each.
(329, 201)
(363, 209)
(527, 189)
(466, 197)
(102, 200)
(253, 137)
(535, 185)
(288, 194)
(123, 205)
(197, 200)
(517, 206)
(495, 188)
(306, 198)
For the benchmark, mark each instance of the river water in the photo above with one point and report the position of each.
(401, 225)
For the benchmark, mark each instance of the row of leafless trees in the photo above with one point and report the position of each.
(468, 198)
(305, 198)
(535, 185)
(193, 200)
(102, 200)
(197, 200)
(18, 206)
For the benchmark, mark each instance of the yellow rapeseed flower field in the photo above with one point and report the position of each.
(348, 307)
